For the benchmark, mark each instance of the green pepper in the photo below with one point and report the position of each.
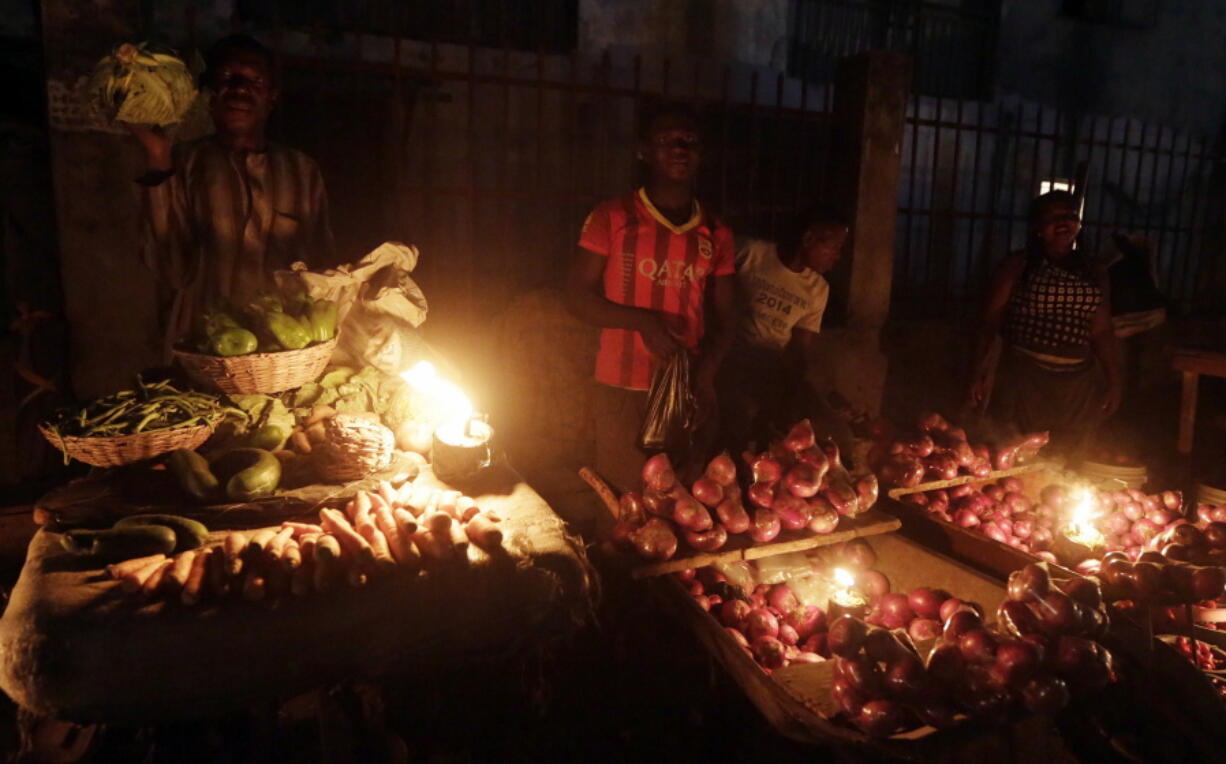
(288, 332)
(269, 303)
(235, 341)
(270, 437)
(323, 320)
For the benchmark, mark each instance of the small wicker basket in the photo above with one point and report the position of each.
(258, 372)
(113, 451)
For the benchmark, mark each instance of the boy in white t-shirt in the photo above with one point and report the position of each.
(783, 293)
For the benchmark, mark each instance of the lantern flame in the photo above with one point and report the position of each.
(446, 400)
(1081, 529)
(844, 594)
(844, 578)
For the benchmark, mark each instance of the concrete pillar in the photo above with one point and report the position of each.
(871, 91)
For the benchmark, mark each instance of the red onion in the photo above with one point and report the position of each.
(925, 602)
(762, 494)
(707, 541)
(1172, 500)
(1133, 511)
(1117, 523)
(800, 437)
(722, 469)
(781, 598)
(807, 621)
(1054, 496)
(1218, 514)
(1027, 583)
(846, 635)
(654, 540)
(766, 526)
(1215, 535)
(1023, 529)
(1045, 694)
(881, 718)
(895, 606)
(960, 623)
(708, 491)
(658, 504)
(905, 676)
(1016, 662)
(769, 651)
(995, 532)
(977, 646)
(793, 511)
(874, 583)
(946, 664)
(1207, 582)
(816, 643)
(761, 622)
(1016, 618)
(858, 554)
(1204, 513)
(766, 469)
(994, 492)
(949, 607)
(917, 499)
(733, 613)
(825, 519)
(1143, 531)
(966, 518)
(733, 516)
(691, 515)
(802, 480)
(658, 473)
(924, 628)
(1057, 613)
(1160, 517)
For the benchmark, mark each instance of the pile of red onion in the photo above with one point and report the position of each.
(1042, 649)
(798, 484)
(1155, 578)
(938, 450)
(1000, 511)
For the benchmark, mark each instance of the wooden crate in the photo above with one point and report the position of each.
(796, 699)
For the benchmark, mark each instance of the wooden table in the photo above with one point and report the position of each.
(1191, 363)
(73, 647)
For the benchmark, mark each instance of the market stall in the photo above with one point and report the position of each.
(282, 524)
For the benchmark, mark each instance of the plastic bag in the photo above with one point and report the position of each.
(379, 307)
(669, 423)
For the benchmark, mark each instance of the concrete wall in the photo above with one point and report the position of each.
(1174, 73)
(743, 31)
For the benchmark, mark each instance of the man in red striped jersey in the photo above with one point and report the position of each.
(648, 264)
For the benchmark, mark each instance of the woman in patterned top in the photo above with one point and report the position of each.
(1049, 304)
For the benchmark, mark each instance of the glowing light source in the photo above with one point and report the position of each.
(1080, 528)
(446, 402)
(845, 594)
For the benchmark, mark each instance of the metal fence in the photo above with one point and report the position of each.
(971, 168)
(489, 159)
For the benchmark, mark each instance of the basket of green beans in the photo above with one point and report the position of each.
(131, 425)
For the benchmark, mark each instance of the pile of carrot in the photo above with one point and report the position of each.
(407, 528)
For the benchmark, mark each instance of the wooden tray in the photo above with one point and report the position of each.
(796, 701)
(740, 547)
(898, 493)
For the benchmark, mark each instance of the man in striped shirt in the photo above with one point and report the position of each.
(649, 263)
(225, 211)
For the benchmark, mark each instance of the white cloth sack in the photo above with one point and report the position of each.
(379, 306)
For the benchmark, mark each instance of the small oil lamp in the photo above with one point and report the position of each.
(846, 599)
(460, 443)
(1080, 539)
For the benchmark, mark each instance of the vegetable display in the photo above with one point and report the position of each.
(142, 85)
(797, 485)
(380, 532)
(935, 449)
(266, 324)
(150, 406)
(1001, 511)
(1041, 651)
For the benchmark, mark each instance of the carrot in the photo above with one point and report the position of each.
(292, 557)
(466, 508)
(234, 545)
(182, 568)
(422, 496)
(191, 588)
(459, 541)
(395, 539)
(361, 508)
(438, 522)
(405, 521)
(276, 547)
(484, 532)
(301, 529)
(306, 546)
(384, 561)
(121, 569)
(300, 582)
(349, 509)
(327, 561)
(387, 493)
(154, 581)
(219, 582)
(447, 502)
(350, 540)
(403, 494)
(260, 540)
(491, 515)
(133, 581)
(433, 546)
